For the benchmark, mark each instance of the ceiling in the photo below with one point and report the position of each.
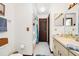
(45, 8)
(42, 8)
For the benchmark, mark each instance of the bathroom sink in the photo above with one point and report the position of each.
(74, 37)
(68, 36)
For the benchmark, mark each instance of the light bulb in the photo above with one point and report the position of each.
(42, 9)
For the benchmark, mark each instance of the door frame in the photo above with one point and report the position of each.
(47, 26)
(49, 29)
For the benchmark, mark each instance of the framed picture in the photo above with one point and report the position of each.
(2, 9)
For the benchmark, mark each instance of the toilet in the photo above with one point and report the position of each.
(16, 54)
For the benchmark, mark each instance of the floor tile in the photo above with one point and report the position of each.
(42, 49)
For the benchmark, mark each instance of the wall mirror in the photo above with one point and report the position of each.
(70, 19)
(59, 19)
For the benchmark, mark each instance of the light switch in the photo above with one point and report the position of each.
(27, 28)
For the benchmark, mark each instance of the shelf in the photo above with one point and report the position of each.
(3, 41)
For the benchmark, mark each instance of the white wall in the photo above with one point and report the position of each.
(24, 20)
(9, 14)
(19, 17)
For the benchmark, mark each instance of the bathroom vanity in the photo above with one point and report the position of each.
(61, 49)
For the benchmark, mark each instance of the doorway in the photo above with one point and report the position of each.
(43, 29)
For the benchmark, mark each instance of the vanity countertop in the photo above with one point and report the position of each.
(67, 40)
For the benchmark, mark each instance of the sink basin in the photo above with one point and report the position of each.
(74, 37)
(68, 36)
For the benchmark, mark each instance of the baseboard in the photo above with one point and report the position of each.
(27, 55)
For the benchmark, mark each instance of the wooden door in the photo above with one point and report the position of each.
(43, 30)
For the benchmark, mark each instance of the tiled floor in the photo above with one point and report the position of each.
(42, 48)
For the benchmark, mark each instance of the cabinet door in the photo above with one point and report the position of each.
(59, 50)
(62, 50)
(55, 48)
(70, 54)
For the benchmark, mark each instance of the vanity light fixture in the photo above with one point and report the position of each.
(71, 5)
